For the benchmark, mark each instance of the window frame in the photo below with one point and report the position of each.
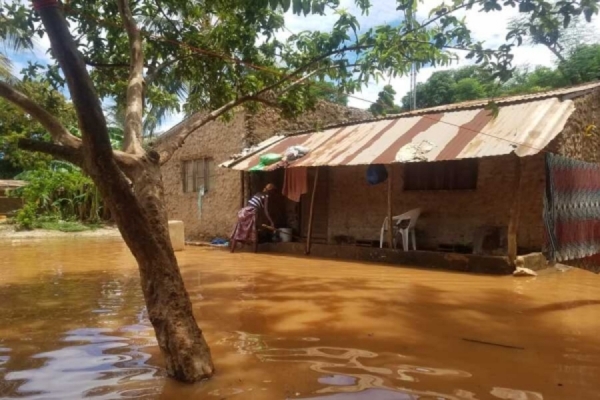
(197, 172)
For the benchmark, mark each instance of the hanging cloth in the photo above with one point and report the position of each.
(295, 183)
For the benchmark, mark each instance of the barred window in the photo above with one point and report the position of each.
(198, 173)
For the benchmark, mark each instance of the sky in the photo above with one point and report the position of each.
(487, 27)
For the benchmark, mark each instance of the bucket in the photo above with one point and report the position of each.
(285, 234)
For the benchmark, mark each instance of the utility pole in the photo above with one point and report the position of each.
(413, 87)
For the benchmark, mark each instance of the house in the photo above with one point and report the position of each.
(487, 184)
(9, 204)
(207, 198)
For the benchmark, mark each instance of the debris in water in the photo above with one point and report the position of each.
(521, 271)
(493, 344)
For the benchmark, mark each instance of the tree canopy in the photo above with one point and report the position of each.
(204, 55)
(474, 82)
(385, 103)
(16, 125)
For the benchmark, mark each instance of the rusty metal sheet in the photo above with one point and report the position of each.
(524, 128)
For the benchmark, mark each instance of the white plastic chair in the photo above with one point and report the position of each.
(412, 216)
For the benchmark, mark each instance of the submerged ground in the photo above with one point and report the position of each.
(73, 325)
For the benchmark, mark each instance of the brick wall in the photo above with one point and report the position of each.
(449, 217)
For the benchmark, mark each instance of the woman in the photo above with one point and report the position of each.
(246, 229)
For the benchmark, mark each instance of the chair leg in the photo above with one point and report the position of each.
(414, 239)
(381, 237)
(404, 233)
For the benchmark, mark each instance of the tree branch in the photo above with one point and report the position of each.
(105, 65)
(309, 75)
(67, 153)
(166, 17)
(153, 75)
(59, 133)
(132, 141)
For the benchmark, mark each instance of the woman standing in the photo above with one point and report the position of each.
(246, 229)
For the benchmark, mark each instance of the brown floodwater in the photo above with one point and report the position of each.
(73, 325)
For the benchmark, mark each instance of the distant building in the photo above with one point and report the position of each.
(9, 204)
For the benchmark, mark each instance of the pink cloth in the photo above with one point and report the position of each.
(295, 183)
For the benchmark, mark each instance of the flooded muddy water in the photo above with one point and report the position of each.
(73, 325)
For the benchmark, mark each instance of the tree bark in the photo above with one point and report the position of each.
(132, 140)
(138, 211)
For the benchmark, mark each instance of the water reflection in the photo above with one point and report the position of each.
(73, 325)
(349, 377)
(88, 356)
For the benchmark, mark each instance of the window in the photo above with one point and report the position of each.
(197, 174)
(441, 175)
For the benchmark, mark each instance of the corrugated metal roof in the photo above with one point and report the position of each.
(525, 129)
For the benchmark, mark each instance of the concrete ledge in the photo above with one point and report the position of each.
(176, 232)
(427, 259)
(533, 261)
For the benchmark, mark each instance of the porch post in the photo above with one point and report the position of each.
(515, 211)
(389, 206)
(243, 189)
(311, 212)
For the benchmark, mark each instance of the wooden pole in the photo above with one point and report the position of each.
(243, 190)
(515, 211)
(311, 212)
(390, 210)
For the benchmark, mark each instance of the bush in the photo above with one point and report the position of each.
(60, 193)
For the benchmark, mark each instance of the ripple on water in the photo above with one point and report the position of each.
(346, 374)
(97, 363)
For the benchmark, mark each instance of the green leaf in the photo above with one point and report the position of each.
(493, 107)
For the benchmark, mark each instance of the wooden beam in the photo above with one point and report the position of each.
(390, 214)
(515, 211)
(243, 189)
(311, 212)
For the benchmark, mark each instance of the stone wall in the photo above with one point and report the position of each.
(219, 140)
(580, 140)
(449, 217)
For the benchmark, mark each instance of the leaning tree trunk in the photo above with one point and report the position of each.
(137, 208)
(186, 353)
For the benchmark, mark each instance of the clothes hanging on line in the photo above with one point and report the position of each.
(295, 183)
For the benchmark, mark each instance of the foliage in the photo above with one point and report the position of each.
(202, 55)
(327, 91)
(385, 102)
(474, 82)
(66, 226)
(566, 38)
(583, 64)
(16, 124)
(59, 193)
